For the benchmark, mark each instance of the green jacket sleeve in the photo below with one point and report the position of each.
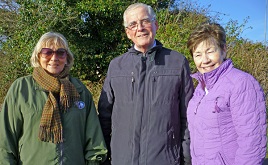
(96, 151)
(11, 122)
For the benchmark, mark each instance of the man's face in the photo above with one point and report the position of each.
(144, 34)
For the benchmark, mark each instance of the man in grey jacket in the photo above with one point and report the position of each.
(142, 107)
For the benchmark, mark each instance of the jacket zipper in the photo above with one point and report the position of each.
(195, 111)
(61, 153)
(132, 85)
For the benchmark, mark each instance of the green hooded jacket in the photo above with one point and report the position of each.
(19, 126)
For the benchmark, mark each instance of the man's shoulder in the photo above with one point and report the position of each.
(175, 52)
(172, 54)
(126, 56)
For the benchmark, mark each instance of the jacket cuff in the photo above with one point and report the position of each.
(92, 163)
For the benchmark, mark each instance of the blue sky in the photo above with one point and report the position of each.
(240, 10)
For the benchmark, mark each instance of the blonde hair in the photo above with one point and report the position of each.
(51, 39)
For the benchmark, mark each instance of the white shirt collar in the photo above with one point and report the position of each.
(148, 49)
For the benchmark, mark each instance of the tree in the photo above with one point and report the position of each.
(93, 28)
(96, 35)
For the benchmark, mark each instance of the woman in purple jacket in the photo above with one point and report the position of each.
(227, 114)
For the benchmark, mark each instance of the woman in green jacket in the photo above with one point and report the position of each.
(49, 117)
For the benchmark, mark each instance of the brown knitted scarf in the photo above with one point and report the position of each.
(50, 124)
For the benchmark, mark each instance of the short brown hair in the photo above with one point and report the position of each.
(207, 32)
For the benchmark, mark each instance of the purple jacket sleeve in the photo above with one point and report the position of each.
(248, 110)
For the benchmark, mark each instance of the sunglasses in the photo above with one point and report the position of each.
(47, 53)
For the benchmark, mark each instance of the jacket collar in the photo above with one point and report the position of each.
(210, 78)
(151, 51)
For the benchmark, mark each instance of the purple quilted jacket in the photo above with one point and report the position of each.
(228, 122)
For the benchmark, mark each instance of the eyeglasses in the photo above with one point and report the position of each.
(144, 22)
(47, 53)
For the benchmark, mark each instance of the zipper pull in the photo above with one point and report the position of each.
(132, 78)
(195, 111)
(154, 76)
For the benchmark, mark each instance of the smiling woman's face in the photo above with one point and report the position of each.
(208, 56)
(53, 64)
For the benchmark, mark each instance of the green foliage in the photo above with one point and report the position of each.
(96, 35)
(177, 26)
(93, 28)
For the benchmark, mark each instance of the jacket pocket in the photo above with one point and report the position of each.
(123, 83)
(173, 147)
(165, 86)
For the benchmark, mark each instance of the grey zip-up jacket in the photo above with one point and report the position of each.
(142, 108)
